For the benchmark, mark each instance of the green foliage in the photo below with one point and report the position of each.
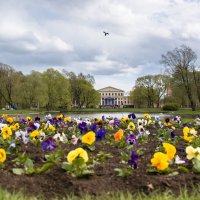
(78, 168)
(103, 156)
(124, 172)
(196, 165)
(171, 107)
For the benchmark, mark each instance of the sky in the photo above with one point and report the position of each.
(68, 34)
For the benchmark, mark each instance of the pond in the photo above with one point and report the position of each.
(111, 115)
(83, 116)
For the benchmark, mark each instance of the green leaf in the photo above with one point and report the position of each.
(78, 162)
(44, 168)
(183, 169)
(18, 171)
(91, 147)
(67, 166)
(196, 165)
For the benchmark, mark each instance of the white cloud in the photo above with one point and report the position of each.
(69, 34)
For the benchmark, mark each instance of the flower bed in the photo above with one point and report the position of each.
(56, 156)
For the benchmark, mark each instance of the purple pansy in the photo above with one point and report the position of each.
(32, 126)
(131, 139)
(116, 122)
(133, 162)
(172, 134)
(100, 134)
(132, 115)
(93, 127)
(48, 144)
(83, 127)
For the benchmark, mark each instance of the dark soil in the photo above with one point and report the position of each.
(57, 182)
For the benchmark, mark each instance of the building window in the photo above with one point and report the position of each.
(109, 94)
(102, 94)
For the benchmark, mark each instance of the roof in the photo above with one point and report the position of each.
(110, 89)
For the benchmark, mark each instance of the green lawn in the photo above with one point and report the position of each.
(97, 110)
(5, 195)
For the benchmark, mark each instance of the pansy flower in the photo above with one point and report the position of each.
(29, 119)
(2, 155)
(77, 153)
(48, 144)
(170, 150)
(192, 152)
(34, 135)
(37, 119)
(67, 119)
(132, 116)
(83, 127)
(134, 160)
(74, 140)
(89, 138)
(118, 135)
(60, 137)
(131, 139)
(189, 134)
(6, 132)
(10, 120)
(100, 134)
(146, 116)
(160, 161)
(125, 119)
(4, 116)
(131, 126)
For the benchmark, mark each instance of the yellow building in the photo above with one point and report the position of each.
(113, 97)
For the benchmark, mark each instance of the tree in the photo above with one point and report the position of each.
(82, 90)
(32, 91)
(137, 96)
(8, 81)
(180, 63)
(58, 90)
(162, 83)
(148, 84)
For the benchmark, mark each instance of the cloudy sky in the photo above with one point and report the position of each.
(68, 34)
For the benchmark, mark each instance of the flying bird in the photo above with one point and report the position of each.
(105, 33)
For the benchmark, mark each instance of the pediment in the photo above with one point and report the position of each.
(110, 89)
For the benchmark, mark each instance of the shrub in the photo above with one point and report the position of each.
(171, 106)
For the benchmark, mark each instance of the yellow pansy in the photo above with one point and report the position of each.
(186, 136)
(15, 127)
(89, 138)
(77, 153)
(34, 135)
(131, 126)
(10, 120)
(29, 119)
(170, 150)
(6, 132)
(59, 117)
(146, 116)
(125, 119)
(4, 116)
(51, 128)
(160, 161)
(2, 155)
(191, 152)
(67, 119)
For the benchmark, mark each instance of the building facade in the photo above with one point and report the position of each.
(113, 97)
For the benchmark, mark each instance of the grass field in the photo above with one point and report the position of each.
(5, 195)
